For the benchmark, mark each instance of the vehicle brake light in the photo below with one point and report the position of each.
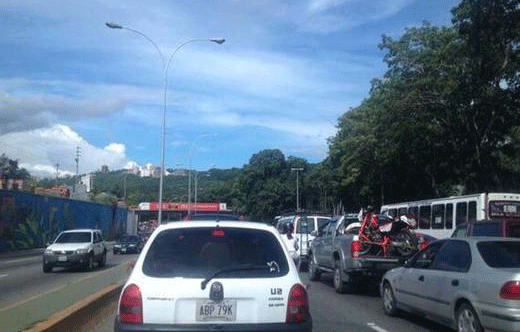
(217, 233)
(510, 290)
(298, 305)
(354, 249)
(131, 306)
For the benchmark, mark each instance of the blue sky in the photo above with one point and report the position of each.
(287, 71)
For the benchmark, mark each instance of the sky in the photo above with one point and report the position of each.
(71, 88)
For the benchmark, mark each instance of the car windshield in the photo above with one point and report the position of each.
(130, 238)
(74, 237)
(200, 252)
(500, 254)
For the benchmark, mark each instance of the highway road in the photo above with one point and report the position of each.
(360, 311)
(22, 283)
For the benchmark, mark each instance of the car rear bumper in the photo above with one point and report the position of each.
(500, 318)
(303, 327)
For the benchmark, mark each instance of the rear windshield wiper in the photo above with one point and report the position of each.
(271, 266)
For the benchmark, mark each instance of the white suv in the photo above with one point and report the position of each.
(214, 276)
(79, 247)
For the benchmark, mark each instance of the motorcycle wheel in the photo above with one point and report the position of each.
(408, 243)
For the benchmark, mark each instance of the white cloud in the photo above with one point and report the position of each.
(41, 150)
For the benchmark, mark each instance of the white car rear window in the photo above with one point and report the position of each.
(198, 252)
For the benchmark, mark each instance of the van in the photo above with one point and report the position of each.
(303, 226)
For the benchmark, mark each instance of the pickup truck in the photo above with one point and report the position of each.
(336, 251)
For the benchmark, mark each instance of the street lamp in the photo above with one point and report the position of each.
(165, 65)
(297, 169)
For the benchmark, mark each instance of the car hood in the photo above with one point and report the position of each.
(68, 246)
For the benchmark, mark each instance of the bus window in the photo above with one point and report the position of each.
(449, 216)
(414, 211)
(402, 211)
(472, 211)
(461, 213)
(425, 216)
(438, 216)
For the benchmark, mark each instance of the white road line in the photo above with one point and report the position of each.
(54, 290)
(373, 326)
(3, 275)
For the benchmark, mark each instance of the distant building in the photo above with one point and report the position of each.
(59, 191)
(104, 169)
(11, 184)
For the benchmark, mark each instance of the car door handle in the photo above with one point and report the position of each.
(455, 282)
(421, 278)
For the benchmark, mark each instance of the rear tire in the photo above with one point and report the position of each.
(467, 319)
(340, 286)
(314, 273)
(389, 304)
(408, 243)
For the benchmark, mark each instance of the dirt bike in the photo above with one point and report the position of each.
(391, 238)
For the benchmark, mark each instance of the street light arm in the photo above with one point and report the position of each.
(113, 25)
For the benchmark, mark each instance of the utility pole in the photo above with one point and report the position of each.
(78, 153)
(57, 173)
(297, 169)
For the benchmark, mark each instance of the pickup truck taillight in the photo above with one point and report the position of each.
(354, 249)
(297, 305)
(131, 306)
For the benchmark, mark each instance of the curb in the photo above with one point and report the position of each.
(78, 314)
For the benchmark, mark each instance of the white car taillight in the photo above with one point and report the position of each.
(297, 305)
(510, 290)
(131, 306)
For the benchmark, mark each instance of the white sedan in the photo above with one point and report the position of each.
(470, 284)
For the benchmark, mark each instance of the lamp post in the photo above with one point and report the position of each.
(297, 169)
(165, 65)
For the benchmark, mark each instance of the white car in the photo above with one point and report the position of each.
(79, 247)
(214, 275)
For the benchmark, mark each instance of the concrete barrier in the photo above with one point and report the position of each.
(78, 314)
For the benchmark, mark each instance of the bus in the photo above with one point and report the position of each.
(439, 217)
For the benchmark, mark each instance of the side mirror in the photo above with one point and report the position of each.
(315, 233)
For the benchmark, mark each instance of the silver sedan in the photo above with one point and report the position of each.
(470, 284)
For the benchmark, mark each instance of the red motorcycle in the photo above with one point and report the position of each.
(387, 237)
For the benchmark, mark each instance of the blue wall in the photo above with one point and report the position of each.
(28, 220)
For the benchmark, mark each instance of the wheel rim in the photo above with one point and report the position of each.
(90, 263)
(467, 321)
(337, 280)
(388, 299)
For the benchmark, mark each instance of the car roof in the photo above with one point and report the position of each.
(81, 230)
(216, 223)
(475, 239)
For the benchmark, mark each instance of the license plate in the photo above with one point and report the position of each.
(212, 311)
(62, 258)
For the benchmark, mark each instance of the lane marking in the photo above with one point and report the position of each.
(3, 275)
(373, 326)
